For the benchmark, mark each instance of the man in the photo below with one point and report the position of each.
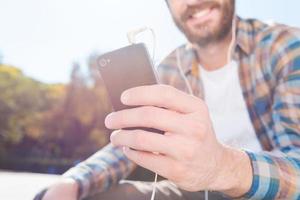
(239, 135)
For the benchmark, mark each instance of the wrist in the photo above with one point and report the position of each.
(234, 173)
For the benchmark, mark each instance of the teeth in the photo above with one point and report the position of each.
(201, 13)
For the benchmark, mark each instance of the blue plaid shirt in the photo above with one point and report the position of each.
(269, 71)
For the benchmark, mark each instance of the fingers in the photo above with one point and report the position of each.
(157, 163)
(163, 96)
(143, 141)
(146, 116)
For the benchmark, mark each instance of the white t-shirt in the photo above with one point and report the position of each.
(227, 107)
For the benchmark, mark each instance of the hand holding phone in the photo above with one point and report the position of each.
(126, 68)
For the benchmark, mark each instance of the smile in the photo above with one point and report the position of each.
(203, 13)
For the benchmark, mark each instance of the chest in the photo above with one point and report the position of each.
(228, 111)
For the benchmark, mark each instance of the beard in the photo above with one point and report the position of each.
(206, 33)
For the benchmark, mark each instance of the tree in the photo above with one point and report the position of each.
(43, 123)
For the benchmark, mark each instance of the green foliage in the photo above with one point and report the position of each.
(21, 98)
(51, 121)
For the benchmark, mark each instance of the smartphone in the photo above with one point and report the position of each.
(126, 68)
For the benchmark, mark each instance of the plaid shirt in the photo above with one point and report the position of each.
(269, 71)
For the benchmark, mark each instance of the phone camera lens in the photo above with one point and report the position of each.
(103, 62)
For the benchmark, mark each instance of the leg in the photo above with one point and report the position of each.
(137, 190)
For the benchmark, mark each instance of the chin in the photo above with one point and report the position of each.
(200, 34)
(202, 31)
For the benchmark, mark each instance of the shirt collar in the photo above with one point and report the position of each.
(244, 35)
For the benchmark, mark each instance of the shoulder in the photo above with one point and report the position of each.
(282, 43)
(268, 34)
(277, 46)
(278, 38)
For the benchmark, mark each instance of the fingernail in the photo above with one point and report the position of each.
(107, 120)
(124, 97)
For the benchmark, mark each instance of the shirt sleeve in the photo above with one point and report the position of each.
(276, 174)
(102, 170)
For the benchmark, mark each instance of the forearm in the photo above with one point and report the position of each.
(102, 170)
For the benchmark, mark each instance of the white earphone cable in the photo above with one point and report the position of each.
(229, 56)
(132, 39)
(154, 187)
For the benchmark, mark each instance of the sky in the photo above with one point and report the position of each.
(45, 37)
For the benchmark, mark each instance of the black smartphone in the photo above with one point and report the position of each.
(126, 68)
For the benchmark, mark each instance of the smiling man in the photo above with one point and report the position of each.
(237, 135)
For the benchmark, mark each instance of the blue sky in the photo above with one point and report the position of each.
(44, 38)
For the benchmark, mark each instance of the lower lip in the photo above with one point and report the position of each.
(201, 20)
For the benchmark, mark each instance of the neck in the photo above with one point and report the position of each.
(214, 56)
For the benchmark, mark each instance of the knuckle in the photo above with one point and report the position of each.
(148, 114)
(197, 128)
